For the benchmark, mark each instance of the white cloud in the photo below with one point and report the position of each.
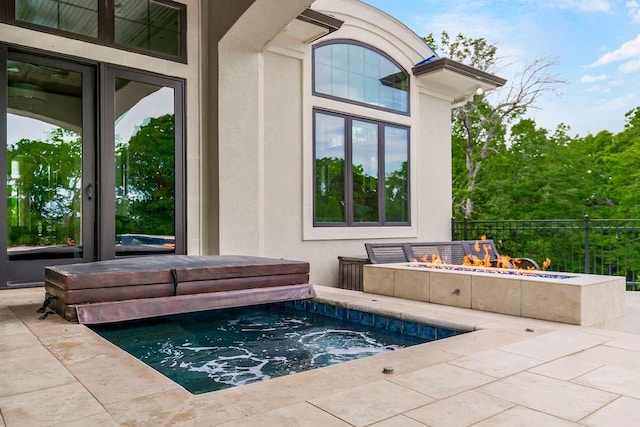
(596, 88)
(627, 50)
(621, 103)
(617, 83)
(630, 67)
(586, 5)
(588, 78)
(633, 11)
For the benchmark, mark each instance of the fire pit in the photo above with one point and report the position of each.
(579, 299)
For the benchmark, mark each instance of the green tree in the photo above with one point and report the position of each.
(397, 195)
(44, 189)
(145, 194)
(480, 125)
(329, 190)
(622, 176)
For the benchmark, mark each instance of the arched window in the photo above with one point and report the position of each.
(361, 163)
(353, 72)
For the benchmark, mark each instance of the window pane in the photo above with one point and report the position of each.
(396, 183)
(145, 168)
(356, 59)
(371, 91)
(362, 75)
(329, 171)
(322, 56)
(364, 140)
(340, 83)
(340, 56)
(44, 162)
(356, 87)
(74, 16)
(149, 25)
(323, 78)
(371, 64)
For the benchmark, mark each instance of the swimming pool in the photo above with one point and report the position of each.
(208, 351)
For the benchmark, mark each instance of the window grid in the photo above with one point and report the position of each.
(353, 72)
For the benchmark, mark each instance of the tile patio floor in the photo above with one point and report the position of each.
(510, 372)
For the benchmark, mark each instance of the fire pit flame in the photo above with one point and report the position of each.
(485, 250)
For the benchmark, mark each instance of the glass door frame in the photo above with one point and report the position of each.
(20, 272)
(98, 163)
(106, 184)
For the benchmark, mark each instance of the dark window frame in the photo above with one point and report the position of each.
(106, 28)
(348, 174)
(351, 101)
(106, 214)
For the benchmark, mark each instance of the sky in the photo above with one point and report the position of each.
(593, 44)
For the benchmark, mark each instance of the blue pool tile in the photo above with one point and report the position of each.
(353, 316)
(410, 328)
(445, 333)
(366, 318)
(341, 313)
(392, 325)
(427, 332)
(381, 322)
(313, 307)
(395, 325)
(330, 310)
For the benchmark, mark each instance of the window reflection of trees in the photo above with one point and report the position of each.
(44, 190)
(145, 189)
(368, 189)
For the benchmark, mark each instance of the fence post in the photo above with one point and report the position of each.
(586, 245)
(453, 229)
(466, 228)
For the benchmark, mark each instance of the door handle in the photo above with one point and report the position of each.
(90, 192)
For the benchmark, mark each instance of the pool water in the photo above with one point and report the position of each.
(212, 350)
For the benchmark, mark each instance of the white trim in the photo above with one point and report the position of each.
(261, 165)
(359, 233)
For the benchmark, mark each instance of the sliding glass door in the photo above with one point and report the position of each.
(147, 153)
(82, 186)
(49, 152)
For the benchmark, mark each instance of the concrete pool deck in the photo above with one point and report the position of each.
(511, 371)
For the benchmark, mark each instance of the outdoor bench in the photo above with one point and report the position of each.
(142, 287)
(350, 269)
(452, 252)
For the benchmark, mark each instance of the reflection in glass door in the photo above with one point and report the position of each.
(57, 210)
(48, 186)
(145, 162)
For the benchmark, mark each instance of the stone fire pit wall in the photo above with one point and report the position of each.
(579, 299)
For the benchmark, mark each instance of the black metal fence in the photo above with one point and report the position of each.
(596, 246)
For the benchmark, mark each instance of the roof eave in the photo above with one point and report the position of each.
(328, 24)
(447, 64)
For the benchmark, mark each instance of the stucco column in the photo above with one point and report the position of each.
(241, 156)
(241, 137)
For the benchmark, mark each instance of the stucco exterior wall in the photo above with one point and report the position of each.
(287, 197)
(434, 169)
(240, 113)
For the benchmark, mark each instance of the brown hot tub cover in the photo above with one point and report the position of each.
(135, 288)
